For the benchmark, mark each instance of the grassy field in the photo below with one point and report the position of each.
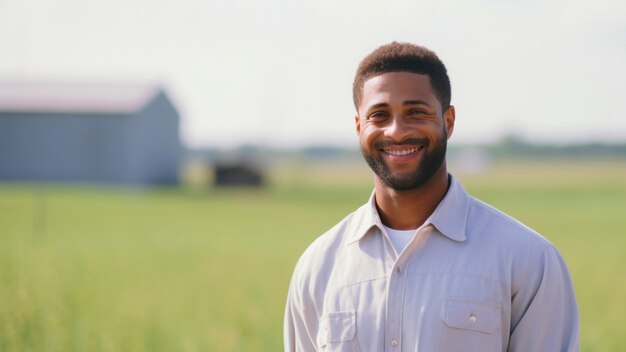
(86, 268)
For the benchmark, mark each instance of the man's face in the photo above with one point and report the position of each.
(402, 129)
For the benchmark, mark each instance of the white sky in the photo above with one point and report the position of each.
(279, 72)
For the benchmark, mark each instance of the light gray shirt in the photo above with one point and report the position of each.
(471, 279)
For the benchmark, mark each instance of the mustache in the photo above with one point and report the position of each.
(409, 141)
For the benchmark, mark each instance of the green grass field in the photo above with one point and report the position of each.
(86, 268)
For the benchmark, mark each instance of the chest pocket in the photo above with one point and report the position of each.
(337, 332)
(478, 316)
(470, 325)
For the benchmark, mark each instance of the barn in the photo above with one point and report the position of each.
(126, 134)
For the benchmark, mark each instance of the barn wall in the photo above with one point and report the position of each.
(156, 142)
(140, 147)
(57, 147)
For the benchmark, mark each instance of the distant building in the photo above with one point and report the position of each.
(238, 174)
(88, 133)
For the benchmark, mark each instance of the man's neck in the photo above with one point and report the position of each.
(407, 210)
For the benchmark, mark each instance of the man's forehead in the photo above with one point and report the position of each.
(398, 84)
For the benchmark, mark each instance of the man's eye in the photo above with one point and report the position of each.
(417, 112)
(377, 116)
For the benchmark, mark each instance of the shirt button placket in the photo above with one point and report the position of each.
(394, 307)
(394, 342)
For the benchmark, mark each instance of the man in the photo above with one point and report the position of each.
(423, 266)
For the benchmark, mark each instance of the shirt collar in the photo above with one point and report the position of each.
(449, 217)
(364, 219)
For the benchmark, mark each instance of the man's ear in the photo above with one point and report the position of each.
(357, 123)
(448, 119)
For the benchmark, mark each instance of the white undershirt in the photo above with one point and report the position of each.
(400, 238)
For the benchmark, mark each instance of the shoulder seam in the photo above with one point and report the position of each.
(538, 238)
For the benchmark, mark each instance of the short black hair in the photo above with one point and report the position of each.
(404, 57)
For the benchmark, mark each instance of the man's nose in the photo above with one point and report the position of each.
(397, 129)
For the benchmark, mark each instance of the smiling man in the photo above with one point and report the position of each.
(423, 266)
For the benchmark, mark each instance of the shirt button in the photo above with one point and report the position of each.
(398, 270)
(394, 342)
(473, 318)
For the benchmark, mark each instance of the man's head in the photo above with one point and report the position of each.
(403, 57)
(403, 120)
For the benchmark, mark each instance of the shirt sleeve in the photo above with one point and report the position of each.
(300, 324)
(544, 311)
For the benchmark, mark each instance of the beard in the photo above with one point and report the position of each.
(430, 163)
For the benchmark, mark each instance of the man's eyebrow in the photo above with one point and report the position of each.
(415, 102)
(405, 103)
(379, 105)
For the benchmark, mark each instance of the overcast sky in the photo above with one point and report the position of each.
(279, 72)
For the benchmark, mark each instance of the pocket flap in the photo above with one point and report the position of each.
(472, 315)
(338, 326)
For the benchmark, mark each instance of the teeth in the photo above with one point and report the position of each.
(401, 152)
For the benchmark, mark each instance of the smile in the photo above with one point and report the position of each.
(401, 152)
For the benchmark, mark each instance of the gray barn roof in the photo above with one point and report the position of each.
(75, 98)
